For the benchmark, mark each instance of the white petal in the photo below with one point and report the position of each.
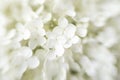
(75, 39)
(71, 13)
(51, 35)
(68, 44)
(35, 25)
(52, 56)
(26, 52)
(42, 32)
(42, 41)
(46, 17)
(70, 31)
(32, 43)
(26, 34)
(82, 32)
(77, 48)
(58, 30)
(51, 43)
(84, 19)
(61, 39)
(33, 62)
(63, 22)
(59, 50)
(11, 34)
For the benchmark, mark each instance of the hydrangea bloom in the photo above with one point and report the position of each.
(59, 40)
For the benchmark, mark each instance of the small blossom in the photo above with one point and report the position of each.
(62, 22)
(81, 31)
(69, 31)
(33, 62)
(22, 32)
(36, 40)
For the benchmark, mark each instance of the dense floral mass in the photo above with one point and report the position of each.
(59, 39)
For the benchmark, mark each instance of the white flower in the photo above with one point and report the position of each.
(36, 40)
(22, 32)
(71, 41)
(61, 39)
(111, 9)
(33, 62)
(77, 48)
(75, 39)
(35, 25)
(25, 52)
(58, 31)
(62, 22)
(4, 63)
(82, 30)
(59, 50)
(70, 13)
(107, 37)
(103, 54)
(11, 34)
(99, 20)
(46, 17)
(69, 31)
(51, 43)
(51, 35)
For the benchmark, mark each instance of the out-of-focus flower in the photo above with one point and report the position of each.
(59, 39)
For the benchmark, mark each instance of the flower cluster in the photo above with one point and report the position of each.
(59, 39)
